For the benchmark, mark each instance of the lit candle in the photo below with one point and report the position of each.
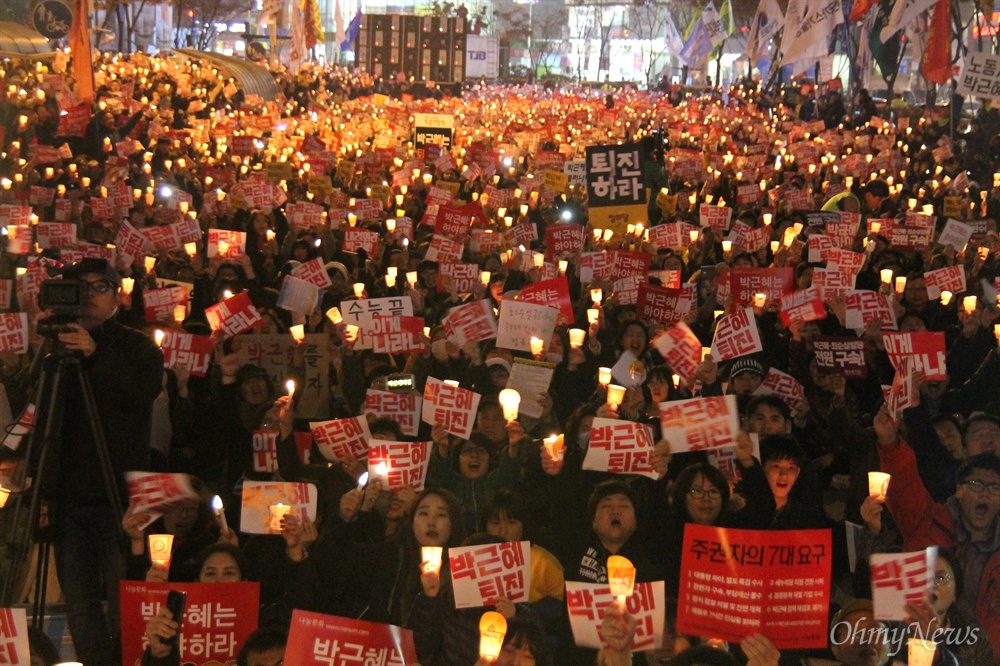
(539, 260)
(277, 512)
(537, 346)
(298, 332)
(878, 484)
(149, 263)
(969, 304)
(945, 297)
(492, 629)
(222, 247)
(604, 377)
(576, 337)
(900, 284)
(290, 387)
(621, 578)
(510, 400)
(693, 234)
(219, 513)
(431, 558)
(411, 278)
(775, 246)
(920, 652)
(563, 265)
(767, 219)
(886, 274)
(4, 496)
(158, 337)
(128, 284)
(593, 315)
(160, 546)
(555, 446)
(191, 249)
(484, 277)
(180, 313)
(351, 333)
(359, 289)
(615, 395)
(759, 300)
(727, 246)
(596, 295)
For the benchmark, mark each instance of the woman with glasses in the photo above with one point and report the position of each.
(700, 496)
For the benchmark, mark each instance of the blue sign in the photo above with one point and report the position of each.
(52, 18)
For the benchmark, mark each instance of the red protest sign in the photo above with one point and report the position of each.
(903, 392)
(265, 451)
(74, 121)
(14, 332)
(620, 447)
(735, 583)
(461, 278)
(744, 283)
(803, 305)
(397, 335)
(129, 242)
(156, 493)
(553, 293)
(450, 406)
(234, 315)
(668, 306)
(360, 239)
(481, 575)
(843, 356)
(226, 244)
(218, 617)
(471, 322)
(193, 351)
(159, 304)
(452, 223)
(736, 335)
(341, 439)
(444, 251)
(594, 266)
(324, 640)
(399, 464)
(403, 408)
(564, 239)
(624, 264)
(681, 350)
(925, 349)
(700, 423)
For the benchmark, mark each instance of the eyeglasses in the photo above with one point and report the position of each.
(713, 493)
(979, 487)
(942, 579)
(98, 287)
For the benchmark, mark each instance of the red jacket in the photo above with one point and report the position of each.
(924, 523)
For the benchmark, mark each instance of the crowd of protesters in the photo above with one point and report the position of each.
(180, 139)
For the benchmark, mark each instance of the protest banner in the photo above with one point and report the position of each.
(899, 579)
(803, 305)
(226, 244)
(664, 305)
(681, 350)
(452, 407)
(843, 356)
(314, 272)
(326, 640)
(159, 304)
(774, 283)
(925, 349)
(481, 575)
(14, 332)
(620, 447)
(398, 335)
(341, 439)
(218, 618)
(471, 322)
(531, 379)
(736, 335)
(553, 293)
(521, 321)
(863, 305)
(265, 450)
(587, 602)
(784, 386)
(735, 583)
(399, 464)
(950, 279)
(696, 424)
(234, 315)
(362, 313)
(14, 648)
(404, 408)
(616, 191)
(156, 493)
(191, 351)
(260, 496)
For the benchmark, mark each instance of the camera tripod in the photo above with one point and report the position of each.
(58, 368)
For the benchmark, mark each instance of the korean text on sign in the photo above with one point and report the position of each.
(899, 579)
(450, 406)
(700, 423)
(586, 603)
(481, 575)
(614, 175)
(405, 463)
(326, 640)
(620, 447)
(735, 583)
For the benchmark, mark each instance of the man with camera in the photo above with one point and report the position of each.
(125, 370)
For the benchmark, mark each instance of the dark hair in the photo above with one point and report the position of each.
(386, 424)
(686, 479)
(978, 417)
(526, 630)
(878, 188)
(509, 503)
(703, 655)
(986, 461)
(482, 539)
(454, 514)
(227, 548)
(782, 447)
(947, 418)
(956, 571)
(769, 400)
(261, 640)
(607, 489)
(642, 327)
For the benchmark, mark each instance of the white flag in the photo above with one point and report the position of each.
(766, 22)
(808, 25)
(713, 23)
(672, 38)
(903, 13)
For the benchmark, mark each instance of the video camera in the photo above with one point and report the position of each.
(64, 298)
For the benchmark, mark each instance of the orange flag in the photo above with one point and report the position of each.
(937, 52)
(79, 46)
(861, 8)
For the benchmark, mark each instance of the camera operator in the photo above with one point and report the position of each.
(125, 371)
